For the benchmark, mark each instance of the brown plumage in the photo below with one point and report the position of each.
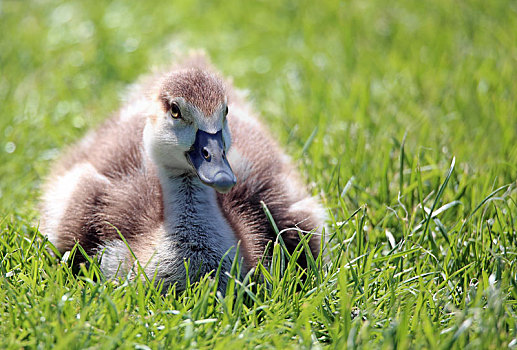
(199, 87)
(138, 173)
(270, 178)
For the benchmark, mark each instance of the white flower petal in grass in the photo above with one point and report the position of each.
(10, 147)
(491, 280)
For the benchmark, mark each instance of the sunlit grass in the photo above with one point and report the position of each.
(401, 116)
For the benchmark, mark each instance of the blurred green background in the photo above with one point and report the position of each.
(356, 75)
(372, 99)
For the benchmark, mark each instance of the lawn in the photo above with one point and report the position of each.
(401, 116)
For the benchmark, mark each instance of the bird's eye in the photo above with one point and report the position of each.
(226, 111)
(175, 111)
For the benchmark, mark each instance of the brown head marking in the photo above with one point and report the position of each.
(201, 88)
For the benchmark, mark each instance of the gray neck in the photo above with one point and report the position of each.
(193, 218)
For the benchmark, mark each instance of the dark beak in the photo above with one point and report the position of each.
(209, 159)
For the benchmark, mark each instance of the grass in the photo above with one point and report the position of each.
(401, 115)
